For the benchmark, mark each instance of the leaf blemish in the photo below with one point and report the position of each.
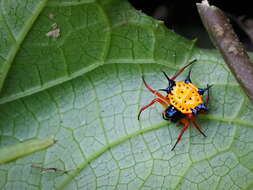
(55, 32)
(51, 16)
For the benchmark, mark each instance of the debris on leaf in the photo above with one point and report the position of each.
(54, 25)
(51, 16)
(53, 169)
(54, 33)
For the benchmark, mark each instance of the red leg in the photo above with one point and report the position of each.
(150, 104)
(182, 69)
(186, 125)
(154, 91)
(192, 118)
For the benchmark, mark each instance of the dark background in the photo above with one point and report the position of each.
(182, 17)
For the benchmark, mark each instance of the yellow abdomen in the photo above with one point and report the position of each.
(185, 97)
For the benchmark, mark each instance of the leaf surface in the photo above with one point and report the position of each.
(84, 88)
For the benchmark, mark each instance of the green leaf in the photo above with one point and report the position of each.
(84, 88)
(16, 19)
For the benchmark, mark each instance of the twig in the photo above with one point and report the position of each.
(226, 41)
(52, 169)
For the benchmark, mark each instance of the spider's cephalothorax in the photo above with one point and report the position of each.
(183, 100)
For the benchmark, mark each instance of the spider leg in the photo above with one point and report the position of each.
(172, 83)
(192, 118)
(188, 78)
(186, 125)
(208, 96)
(182, 69)
(150, 104)
(154, 91)
(207, 99)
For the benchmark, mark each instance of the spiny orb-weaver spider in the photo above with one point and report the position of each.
(183, 100)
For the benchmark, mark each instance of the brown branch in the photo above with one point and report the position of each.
(226, 41)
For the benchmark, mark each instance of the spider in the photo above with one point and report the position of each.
(182, 103)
